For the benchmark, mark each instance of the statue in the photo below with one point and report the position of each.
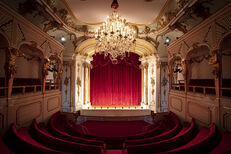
(214, 61)
(10, 69)
(184, 69)
(11, 55)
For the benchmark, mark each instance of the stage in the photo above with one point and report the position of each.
(115, 112)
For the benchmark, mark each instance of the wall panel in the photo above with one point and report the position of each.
(26, 113)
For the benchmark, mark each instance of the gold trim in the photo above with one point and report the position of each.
(142, 47)
(146, 86)
(142, 85)
(159, 85)
(98, 23)
(89, 70)
(84, 81)
(71, 63)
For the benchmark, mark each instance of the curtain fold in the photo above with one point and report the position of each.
(115, 84)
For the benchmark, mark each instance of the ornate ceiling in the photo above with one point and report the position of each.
(154, 20)
(135, 11)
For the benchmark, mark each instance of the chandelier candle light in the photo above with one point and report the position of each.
(115, 36)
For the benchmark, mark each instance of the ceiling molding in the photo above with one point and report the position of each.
(98, 23)
(143, 48)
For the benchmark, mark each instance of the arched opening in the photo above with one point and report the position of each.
(28, 74)
(176, 74)
(225, 49)
(200, 75)
(52, 79)
(3, 45)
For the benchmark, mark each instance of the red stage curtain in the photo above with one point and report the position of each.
(115, 84)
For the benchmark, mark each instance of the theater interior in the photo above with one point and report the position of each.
(115, 76)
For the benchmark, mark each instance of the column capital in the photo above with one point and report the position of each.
(144, 65)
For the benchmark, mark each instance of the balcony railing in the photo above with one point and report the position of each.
(27, 89)
(178, 87)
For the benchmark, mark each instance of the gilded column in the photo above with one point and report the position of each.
(185, 67)
(142, 83)
(71, 63)
(215, 61)
(146, 83)
(169, 68)
(89, 77)
(85, 83)
(159, 83)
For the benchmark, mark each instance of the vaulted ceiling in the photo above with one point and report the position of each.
(76, 20)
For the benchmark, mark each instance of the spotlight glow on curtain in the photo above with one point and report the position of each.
(115, 84)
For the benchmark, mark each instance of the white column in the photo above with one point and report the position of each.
(149, 80)
(86, 81)
(79, 83)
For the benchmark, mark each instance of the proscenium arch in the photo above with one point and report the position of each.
(143, 48)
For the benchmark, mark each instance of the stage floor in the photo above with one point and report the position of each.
(115, 112)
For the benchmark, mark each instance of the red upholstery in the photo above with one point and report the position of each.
(131, 129)
(200, 144)
(224, 146)
(26, 143)
(63, 145)
(184, 136)
(63, 135)
(115, 142)
(172, 122)
(4, 149)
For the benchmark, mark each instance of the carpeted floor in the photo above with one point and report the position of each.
(114, 129)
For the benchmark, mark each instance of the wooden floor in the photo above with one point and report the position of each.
(115, 112)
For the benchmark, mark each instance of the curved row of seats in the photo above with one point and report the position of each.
(111, 142)
(167, 136)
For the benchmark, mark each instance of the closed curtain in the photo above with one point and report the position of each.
(115, 84)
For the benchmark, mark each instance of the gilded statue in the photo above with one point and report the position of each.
(11, 55)
(214, 61)
(184, 69)
(169, 70)
(46, 66)
(60, 73)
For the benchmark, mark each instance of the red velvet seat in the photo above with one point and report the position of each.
(44, 137)
(116, 141)
(60, 133)
(112, 142)
(202, 143)
(224, 146)
(26, 144)
(174, 125)
(4, 149)
(185, 135)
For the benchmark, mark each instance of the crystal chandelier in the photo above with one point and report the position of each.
(115, 36)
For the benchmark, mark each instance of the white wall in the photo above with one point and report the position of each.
(27, 69)
(201, 70)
